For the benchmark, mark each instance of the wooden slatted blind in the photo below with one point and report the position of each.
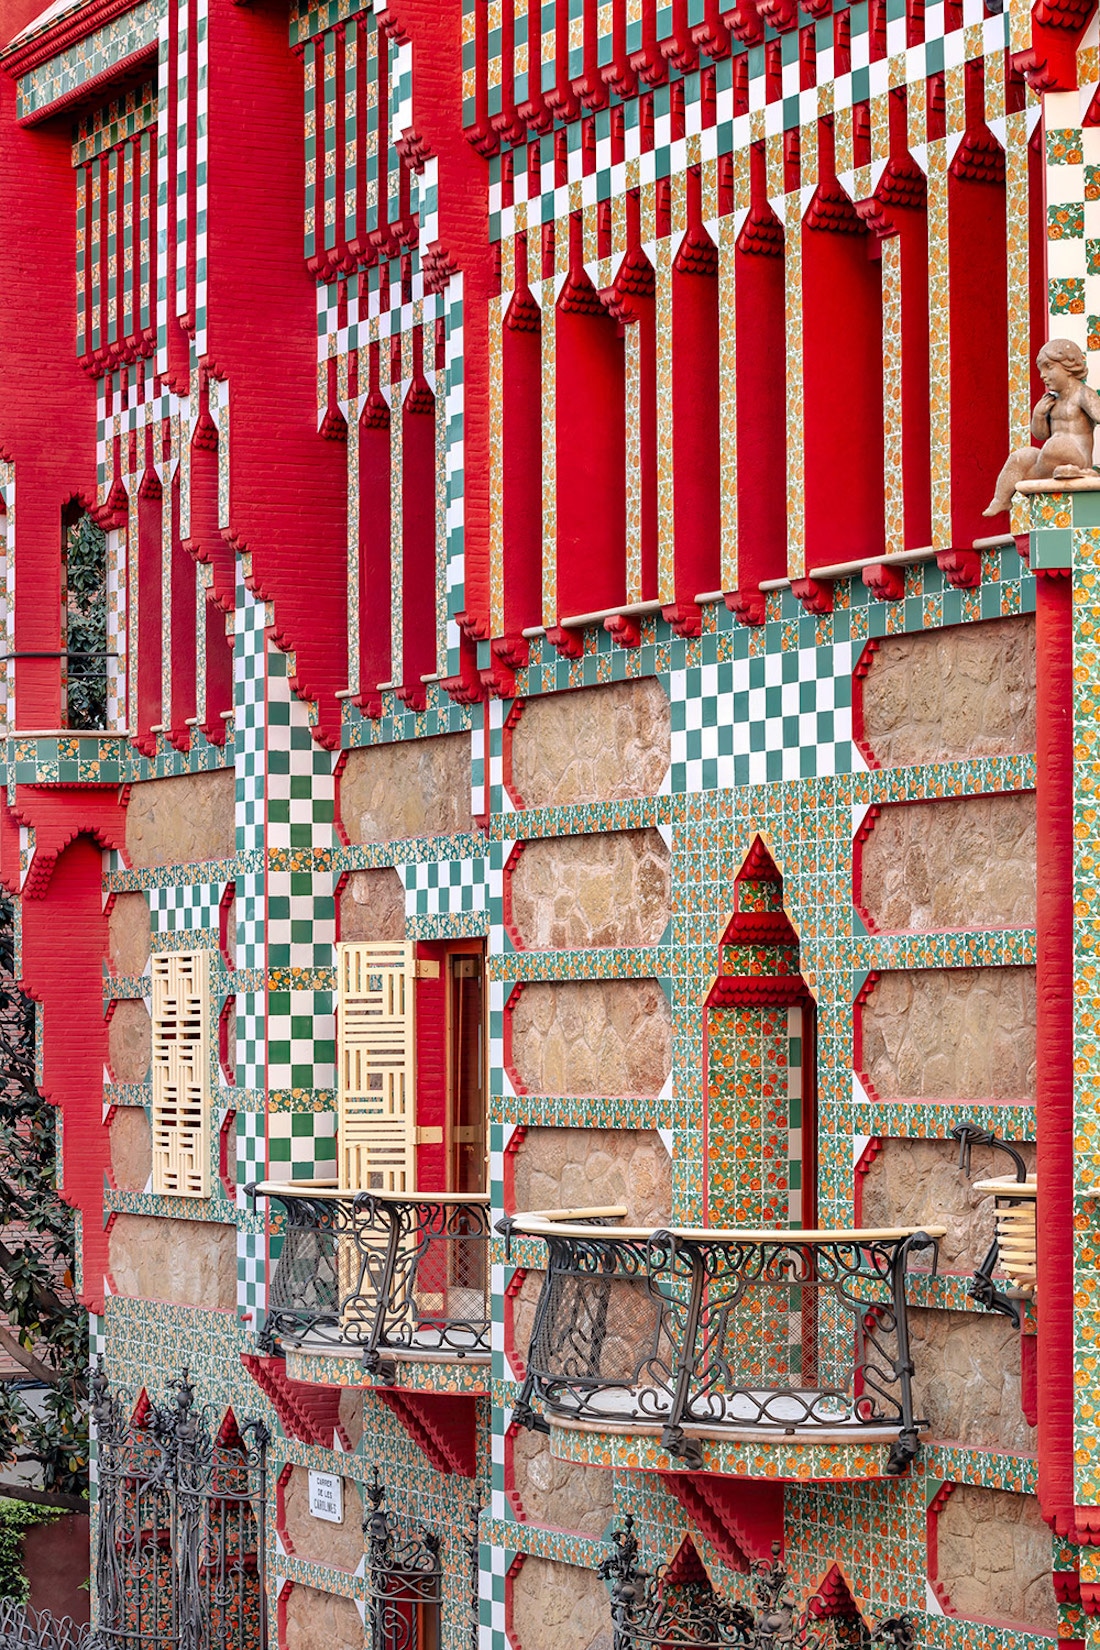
(181, 1073)
(376, 1054)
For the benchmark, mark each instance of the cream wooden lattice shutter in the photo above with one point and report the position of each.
(376, 1051)
(181, 1073)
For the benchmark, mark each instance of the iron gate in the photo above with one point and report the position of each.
(180, 1524)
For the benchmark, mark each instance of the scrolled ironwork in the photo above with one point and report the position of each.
(650, 1610)
(404, 1579)
(694, 1332)
(22, 1628)
(983, 1289)
(381, 1274)
(180, 1534)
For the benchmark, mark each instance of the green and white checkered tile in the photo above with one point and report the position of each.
(185, 906)
(251, 1153)
(441, 888)
(251, 1274)
(301, 1145)
(753, 721)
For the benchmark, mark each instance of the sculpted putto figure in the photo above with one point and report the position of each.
(1063, 420)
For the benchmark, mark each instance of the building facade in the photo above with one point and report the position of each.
(515, 704)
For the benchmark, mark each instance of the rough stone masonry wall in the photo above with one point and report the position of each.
(131, 1141)
(951, 1034)
(129, 933)
(372, 905)
(559, 1607)
(129, 1041)
(419, 788)
(321, 1621)
(337, 1546)
(966, 862)
(592, 1037)
(187, 1262)
(182, 821)
(592, 745)
(571, 892)
(966, 1381)
(919, 1183)
(595, 1168)
(562, 1494)
(994, 1557)
(951, 695)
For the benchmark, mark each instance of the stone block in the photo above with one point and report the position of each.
(919, 1183)
(966, 1381)
(571, 892)
(372, 905)
(129, 1041)
(966, 862)
(948, 695)
(524, 1304)
(574, 1168)
(559, 1607)
(591, 745)
(994, 1557)
(185, 1262)
(562, 1494)
(182, 821)
(950, 1034)
(322, 1621)
(129, 933)
(586, 1037)
(131, 1142)
(336, 1546)
(417, 788)
(352, 1404)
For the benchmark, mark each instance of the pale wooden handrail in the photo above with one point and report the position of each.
(567, 1223)
(327, 1191)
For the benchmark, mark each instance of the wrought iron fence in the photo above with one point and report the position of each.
(702, 1331)
(180, 1524)
(380, 1273)
(654, 1611)
(404, 1576)
(22, 1628)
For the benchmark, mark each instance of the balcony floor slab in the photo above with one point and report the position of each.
(337, 1365)
(819, 1456)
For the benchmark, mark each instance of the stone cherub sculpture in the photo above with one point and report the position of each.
(1063, 420)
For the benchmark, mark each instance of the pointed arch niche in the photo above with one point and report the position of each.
(760, 1063)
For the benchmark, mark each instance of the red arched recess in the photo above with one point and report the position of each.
(759, 1045)
(64, 940)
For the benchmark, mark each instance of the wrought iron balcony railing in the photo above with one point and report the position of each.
(382, 1274)
(723, 1334)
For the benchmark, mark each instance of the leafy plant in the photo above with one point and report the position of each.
(46, 1329)
(16, 1517)
(86, 623)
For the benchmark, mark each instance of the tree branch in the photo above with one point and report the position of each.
(43, 1498)
(34, 1366)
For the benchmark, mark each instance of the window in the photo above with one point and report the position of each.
(181, 1073)
(84, 622)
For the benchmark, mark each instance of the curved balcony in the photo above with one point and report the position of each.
(379, 1275)
(700, 1334)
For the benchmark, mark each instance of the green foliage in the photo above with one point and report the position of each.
(46, 1326)
(86, 623)
(16, 1517)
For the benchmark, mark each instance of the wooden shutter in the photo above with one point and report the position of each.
(181, 1073)
(376, 1055)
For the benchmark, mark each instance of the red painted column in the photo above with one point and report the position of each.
(977, 241)
(590, 436)
(760, 331)
(696, 479)
(374, 542)
(149, 509)
(184, 609)
(1054, 1049)
(417, 533)
(841, 376)
(521, 481)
